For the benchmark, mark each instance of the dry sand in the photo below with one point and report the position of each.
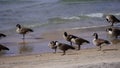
(109, 57)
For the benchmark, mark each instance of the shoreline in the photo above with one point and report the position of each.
(73, 59)
(37, 43)
(85, 58)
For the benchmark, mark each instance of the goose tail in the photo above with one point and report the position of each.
(3, 47)
(71, 47)
(107, 42)
(3, 35)
(30, 30)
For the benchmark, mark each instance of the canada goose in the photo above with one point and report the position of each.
(22, 30)
(79, 41)
(3, 47)
(2, 35)
(114, 32)
(64, 47)
(112, 19)
(68, 37)
(98, 42)
(52, 45)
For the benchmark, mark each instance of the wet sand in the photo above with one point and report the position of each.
(41, 56)
(87, 58)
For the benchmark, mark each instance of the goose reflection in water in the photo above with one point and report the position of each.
(25, 48)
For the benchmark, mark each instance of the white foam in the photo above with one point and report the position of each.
(89, 27)
(95, 15)
(73, 17)
(117, 14)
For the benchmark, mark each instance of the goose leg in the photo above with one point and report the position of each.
(64, 52)
(79, 47)
(100, 48)
(23, 36)
(112, 24)
(71, 43)
(55, 50)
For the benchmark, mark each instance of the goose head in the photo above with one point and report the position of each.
(95, 35)
(65, 34)
(18, 26)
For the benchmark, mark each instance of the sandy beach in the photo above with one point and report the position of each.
(89, 58)
(49, 19)
(109, 57)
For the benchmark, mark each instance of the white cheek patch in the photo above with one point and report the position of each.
(57, 43)
(107, 17)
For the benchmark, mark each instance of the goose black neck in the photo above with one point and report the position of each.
(96, 36)
(65, 33)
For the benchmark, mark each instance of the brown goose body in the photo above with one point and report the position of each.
(68, 37)
(53, 46)
(112, 19)
(2, 47)
(114, 32)
(98, 42)
(22, 30)
(64, 47)
(79, 41)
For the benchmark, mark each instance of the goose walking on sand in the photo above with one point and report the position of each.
(115, 32)
(23, 30)
(79, 41)
(112, 19)
(53, 46)
(68, 37)
(98, 42)
(2, 47)
(64, 47)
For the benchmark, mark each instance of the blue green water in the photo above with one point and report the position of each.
(45, 14)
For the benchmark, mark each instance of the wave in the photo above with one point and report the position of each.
(82, 16)
(100, 15)
(76, 18)
(26, 1)
(80, 28)
(117, 14)
(14, 1)
(79, 1)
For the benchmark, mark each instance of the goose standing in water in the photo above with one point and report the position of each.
(112, 19)
(64, 47)
(23, 30)
(52, 45)
(113, 32)
(98, 42)
(68, 37)
(3, 47)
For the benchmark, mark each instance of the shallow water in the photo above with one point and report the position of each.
(39, 44)
(47, 16)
